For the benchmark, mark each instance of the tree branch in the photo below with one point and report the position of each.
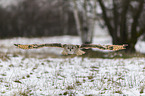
(77, 20)
(141, 31)
(123, 21)
(106, 19)
(115, 19)
(136, 18)
(91, 33)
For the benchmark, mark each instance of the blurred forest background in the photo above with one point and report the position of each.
(124, 19)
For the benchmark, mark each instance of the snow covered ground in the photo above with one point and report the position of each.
(45, 72)
(78, 76)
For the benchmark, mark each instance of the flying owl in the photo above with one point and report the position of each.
(73, 49)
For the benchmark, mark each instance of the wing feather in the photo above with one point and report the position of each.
(35, 46)
(54, 45)
(104, 47)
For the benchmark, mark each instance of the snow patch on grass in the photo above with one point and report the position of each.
(78, 76)
(21, 74)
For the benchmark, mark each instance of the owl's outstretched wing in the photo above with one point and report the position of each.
(105, 47)
(35, 46)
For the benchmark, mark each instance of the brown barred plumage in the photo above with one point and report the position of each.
(73, 49)
(32, 46)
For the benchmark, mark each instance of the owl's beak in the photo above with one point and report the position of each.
(70, 49)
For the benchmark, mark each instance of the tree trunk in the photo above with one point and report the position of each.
(115, 21)
(77, 19)
(120, 23)
(83, 24)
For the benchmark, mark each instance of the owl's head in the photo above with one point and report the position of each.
(70, 49)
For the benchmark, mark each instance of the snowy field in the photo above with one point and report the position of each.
(45, 72)
(77, 76)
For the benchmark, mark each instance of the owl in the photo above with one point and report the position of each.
(73, 49)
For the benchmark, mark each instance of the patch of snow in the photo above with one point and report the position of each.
(140, 46)
(80, 76)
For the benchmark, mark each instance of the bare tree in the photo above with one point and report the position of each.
(84, 23)
(36, 18)
(123, 24)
